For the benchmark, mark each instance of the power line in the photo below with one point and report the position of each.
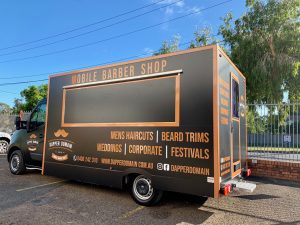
(22, 82)
(82, 27)
(90, 66)
(78, 68)
(92, 31)
(117, 36)
(108, 62)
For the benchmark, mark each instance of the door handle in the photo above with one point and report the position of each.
(41, 135)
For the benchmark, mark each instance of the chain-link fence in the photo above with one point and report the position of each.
(273, 131)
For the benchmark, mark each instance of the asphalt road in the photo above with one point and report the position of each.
(36, 199)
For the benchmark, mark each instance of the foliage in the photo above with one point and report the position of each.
(32, 95)
(169, 46)
(273, 118)
(255, 122)
(203, 37)
(265, 45)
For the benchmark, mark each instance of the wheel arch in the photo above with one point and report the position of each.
(11, 150)
(131, 173)
(5, 139)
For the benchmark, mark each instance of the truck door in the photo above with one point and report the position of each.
(35, 134)
(235, 127)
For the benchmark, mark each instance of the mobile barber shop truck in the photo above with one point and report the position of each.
(173, 122)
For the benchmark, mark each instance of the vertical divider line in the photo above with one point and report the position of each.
(166, 151)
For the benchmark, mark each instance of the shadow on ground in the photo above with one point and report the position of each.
(267, 180)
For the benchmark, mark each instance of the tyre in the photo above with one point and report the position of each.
(16, 163)
(143, 193)
(3, 146)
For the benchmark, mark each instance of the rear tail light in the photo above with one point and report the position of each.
(226, 189)
(247, 173)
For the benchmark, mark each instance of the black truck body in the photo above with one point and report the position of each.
(176, 119)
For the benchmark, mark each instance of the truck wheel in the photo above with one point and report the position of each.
(3, 146)
(16, 163)
(143, 193)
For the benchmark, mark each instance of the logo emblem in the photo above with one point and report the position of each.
(60, 147)
(161, 166)
(61, 132)
(32, 143)
(33, 136)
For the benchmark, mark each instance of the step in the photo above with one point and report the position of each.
(242, 185)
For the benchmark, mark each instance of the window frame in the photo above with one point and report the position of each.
(235, 98)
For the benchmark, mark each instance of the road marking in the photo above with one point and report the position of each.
(1, 169)
(131, 212)
(42, 185)
(184, 223)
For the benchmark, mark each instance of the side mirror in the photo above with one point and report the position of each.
(18, 122)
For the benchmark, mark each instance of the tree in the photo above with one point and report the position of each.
(265, 44)
(4, 108)
(17, 105)
(169, 46)
(32, 95)
(203, 37)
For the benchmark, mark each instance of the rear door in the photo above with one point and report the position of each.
(235, 126)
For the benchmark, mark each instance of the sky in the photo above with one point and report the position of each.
(40, 38)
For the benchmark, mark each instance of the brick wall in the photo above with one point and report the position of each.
(275, 169)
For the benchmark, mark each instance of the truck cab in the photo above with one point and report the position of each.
(26, 146)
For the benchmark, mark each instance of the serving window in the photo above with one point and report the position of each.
(235, 99)
(146, 102)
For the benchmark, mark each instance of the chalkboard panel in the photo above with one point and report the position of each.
(148, 102)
